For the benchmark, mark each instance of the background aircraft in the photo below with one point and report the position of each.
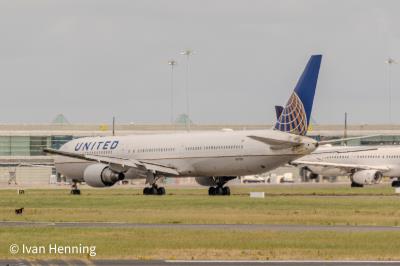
(364, 165)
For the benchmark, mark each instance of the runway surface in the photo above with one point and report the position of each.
(244, 227)
(191, 263)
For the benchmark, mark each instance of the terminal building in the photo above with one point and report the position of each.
(23, 143)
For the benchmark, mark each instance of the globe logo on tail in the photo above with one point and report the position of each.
(293, 118)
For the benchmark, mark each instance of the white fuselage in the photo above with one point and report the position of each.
(388, 157)
(230, 153)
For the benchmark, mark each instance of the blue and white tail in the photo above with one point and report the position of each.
(295, 116)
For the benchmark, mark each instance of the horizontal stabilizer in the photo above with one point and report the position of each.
(277, 144)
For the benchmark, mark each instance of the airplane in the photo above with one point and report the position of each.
(213, 158)
(364, 165)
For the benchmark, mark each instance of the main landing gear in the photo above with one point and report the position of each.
(153, 189)
(218, 183)
(396, 183)
(219, 191)
(353, 184)
(74, 188)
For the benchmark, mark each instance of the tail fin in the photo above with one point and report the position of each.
(295, 116)
(278, 111)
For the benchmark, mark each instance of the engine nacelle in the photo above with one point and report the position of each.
(100, 175)
(367, 177)
(210, 181)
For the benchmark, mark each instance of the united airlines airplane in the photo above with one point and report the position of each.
(213, 158)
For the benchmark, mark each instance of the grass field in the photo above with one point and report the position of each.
(282, 205)
(311, 205)
(208, 244)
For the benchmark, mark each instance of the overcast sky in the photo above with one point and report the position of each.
(91, 60)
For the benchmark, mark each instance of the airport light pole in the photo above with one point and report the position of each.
(113, 126)
(187, 53)
(345, 128)
(390, 61)
(172, 63)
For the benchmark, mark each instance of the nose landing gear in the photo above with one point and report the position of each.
(74, 188)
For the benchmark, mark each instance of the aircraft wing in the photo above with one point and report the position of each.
(278, 144)
(122, 162)
(343, 150)
(48, 165)
(340, 165)
(16, 164)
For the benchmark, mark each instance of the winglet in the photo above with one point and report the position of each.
(295, 117)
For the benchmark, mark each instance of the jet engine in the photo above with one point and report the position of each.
(100, 175)
(367, 177)
(210, 181)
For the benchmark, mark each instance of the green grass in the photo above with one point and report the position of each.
(206, 244)
(310, 205)
(282, 205)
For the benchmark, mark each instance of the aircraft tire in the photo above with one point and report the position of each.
(227, 191)
(161, 191)
(153, 191)
(219, 191)
(211, 191)
(396, 183)
(356, 185)
(75, 192)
